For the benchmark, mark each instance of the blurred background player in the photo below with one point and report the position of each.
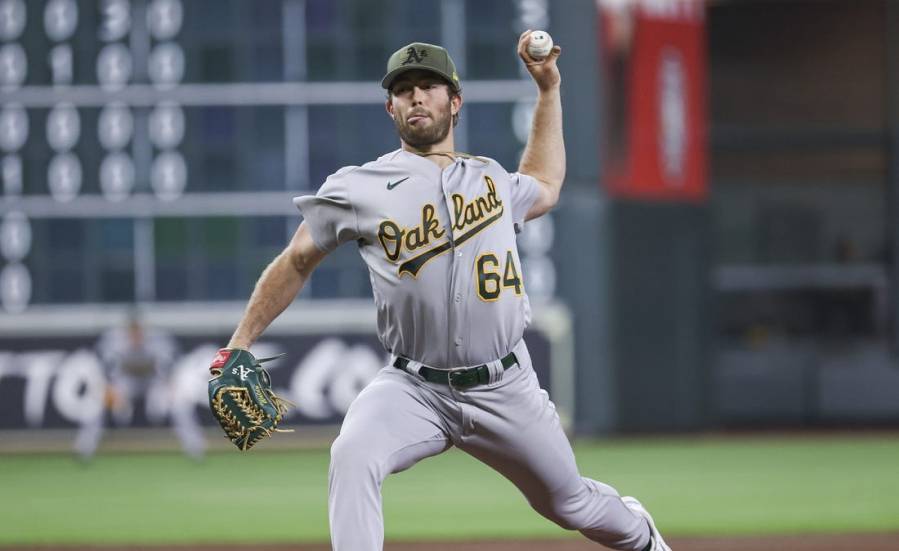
(138, 363)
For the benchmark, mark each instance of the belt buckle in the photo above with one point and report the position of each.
(462, 378)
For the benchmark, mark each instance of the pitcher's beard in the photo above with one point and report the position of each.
(422, 138)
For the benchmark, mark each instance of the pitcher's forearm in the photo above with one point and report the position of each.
(275, 290)
(544, 155)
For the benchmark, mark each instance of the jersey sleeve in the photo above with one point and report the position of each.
(525, 190)
(329, 214)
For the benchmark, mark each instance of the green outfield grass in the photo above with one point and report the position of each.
(693, 486)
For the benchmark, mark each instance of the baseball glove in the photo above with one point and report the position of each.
(241, 397)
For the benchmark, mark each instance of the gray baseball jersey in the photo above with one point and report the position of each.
(440, 248)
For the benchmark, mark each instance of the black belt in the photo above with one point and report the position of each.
(457, 378)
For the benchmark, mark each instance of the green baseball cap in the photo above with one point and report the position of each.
(426, 57)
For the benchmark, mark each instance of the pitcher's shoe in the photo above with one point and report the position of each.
(656, 541)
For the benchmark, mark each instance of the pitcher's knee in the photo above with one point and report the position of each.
(564, 513)
(353, 458)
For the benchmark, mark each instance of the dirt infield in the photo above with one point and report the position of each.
(862, 542)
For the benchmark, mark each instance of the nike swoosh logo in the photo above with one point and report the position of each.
(391, 185)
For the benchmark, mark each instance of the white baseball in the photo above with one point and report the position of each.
(540, 44)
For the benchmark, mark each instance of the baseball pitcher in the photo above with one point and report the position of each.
(437, 229)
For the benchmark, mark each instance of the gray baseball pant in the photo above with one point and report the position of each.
(510, 425)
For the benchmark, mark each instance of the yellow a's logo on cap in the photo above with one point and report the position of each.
(455, 76)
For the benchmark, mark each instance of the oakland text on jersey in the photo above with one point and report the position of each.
(475, 211)
(394, 238)
(469, 219)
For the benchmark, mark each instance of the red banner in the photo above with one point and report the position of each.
(655, 61)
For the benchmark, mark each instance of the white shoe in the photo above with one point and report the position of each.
(658, 544)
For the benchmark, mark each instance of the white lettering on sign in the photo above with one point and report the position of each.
(672, 110)
(330, 377)
(79, 387)
(72, 384)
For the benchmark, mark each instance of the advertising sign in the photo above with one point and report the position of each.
(61, 381)
(655, 113)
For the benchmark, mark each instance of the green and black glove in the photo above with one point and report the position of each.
(241, 397)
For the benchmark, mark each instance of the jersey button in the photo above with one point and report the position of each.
(458, 341)
(458, 297)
